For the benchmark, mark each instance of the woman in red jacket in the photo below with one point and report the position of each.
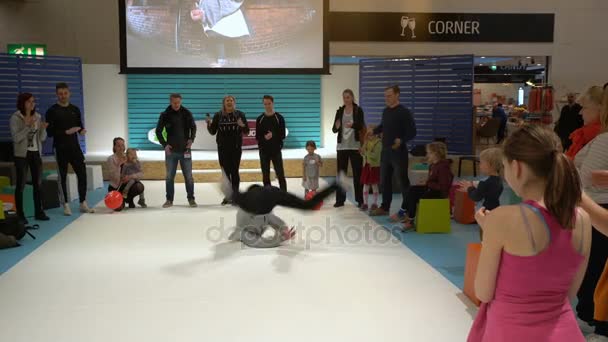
(437, 185)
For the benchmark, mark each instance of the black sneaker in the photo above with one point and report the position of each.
(41, 217)
(338, 205)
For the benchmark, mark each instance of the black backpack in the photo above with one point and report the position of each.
(12, 226)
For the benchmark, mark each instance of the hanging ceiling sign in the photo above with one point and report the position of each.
(441, 27)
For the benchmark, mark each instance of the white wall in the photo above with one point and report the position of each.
(105, 106)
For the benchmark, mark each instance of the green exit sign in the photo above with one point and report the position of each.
(26, 49)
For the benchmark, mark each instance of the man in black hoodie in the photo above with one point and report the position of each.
(180, 128)
(270, 133)
(255, 207)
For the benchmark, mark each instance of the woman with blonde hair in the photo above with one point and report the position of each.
(229, 125)
(591, 101)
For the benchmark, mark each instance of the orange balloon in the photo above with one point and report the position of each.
(113, 200)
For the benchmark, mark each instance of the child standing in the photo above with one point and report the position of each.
(437, 185)
(370, 176)
(311, 167)
(130, 175)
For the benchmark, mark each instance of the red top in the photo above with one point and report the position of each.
(440, 176)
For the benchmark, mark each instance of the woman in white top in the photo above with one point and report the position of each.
(28, 132)
(349, 125)
(594, 156)
(114, 163)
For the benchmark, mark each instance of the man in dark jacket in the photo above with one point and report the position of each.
(569, 121)
(397, 128)
(64, 125)
(180, 129)
(270, 133)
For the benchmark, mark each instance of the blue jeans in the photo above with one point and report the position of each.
(171, 161)
(393, 161)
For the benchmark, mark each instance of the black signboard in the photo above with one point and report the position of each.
(441, 27)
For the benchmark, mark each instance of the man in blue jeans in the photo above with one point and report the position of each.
(397, 128)
(180, 128)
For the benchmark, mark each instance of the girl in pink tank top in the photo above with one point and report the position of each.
(526, 297)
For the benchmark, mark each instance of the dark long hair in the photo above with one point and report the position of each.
(21, 100)
(540, 149)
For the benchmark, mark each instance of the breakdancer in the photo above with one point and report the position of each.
(255, 215)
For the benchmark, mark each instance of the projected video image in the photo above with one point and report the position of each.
(224, 33)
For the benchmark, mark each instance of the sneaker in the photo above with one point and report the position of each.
(374, 206)
(131, 205)
(338, 205)
(363, 207)
(379, 212)
(192, 203)
(142, 203)
(84, 208)
(596, 338)
(398, 216)
(41, 217)
(67, 211)
(168, 204)
(408, 227)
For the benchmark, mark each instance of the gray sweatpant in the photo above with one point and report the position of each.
(249, 229)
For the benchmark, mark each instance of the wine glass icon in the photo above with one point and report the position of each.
(404, 22)
(412, 25)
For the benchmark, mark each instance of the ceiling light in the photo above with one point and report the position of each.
(539, 64)
(528, 57)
